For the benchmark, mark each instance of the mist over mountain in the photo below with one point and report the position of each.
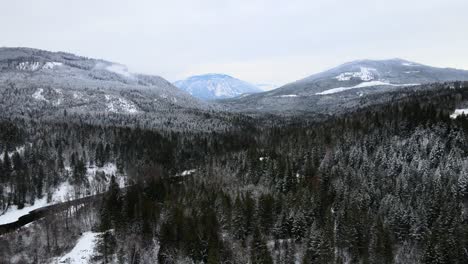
(37, 83)
(216, 86)
(78, 84)
(324, 92)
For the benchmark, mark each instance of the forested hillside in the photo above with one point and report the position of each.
(386, 183)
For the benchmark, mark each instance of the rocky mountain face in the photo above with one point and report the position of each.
(216, 86)
(45, 81)
(328, 91)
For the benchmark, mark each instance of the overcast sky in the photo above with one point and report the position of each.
(259, 41)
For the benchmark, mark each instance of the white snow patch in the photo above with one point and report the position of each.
(28, 66)
(409, 64)
(287, 95)
(35, 65)
(13, 213)
(51, 65)
(83, 250)
(77, 95)
(61, 194)
(364, 74)
(187, 172)
(108, 169)
(459, 112)
(20, 151)
(362, 85)
(120, 105)
(38, 95)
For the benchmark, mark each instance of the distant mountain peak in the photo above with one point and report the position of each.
(212, 86)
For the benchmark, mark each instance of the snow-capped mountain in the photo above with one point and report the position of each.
(351, 80)
(34, 80)
(216, 86)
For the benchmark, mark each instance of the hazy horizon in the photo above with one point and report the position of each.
(270, 42)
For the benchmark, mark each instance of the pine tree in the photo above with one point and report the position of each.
(259, 253)
(318, 248)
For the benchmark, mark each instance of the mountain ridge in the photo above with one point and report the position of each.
(72, 75)
(325, 91)
(213, 86)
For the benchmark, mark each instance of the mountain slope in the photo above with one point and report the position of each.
(328, 90)
(44, 81)
(216, 86)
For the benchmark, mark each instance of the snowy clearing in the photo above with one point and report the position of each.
(459, 112)
(28, 66)
(51, 65)
(61, 194)
(361, 85)
(13, 213)
(83, 250)
(65, 192)
(120, 105)
(365, 74)
(35, 65)
(38, 95)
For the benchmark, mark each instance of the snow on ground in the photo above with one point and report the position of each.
(61, 194)
(459, 112)
(365, 74)
(186, 172)
(120, 105)
(109, 169)
(38, 95)
(35, 65)
(20, 150)
(65, 191)
(83, 250)
(13, 213)
(409, 64)
(28, 66)
(287, 95)
(361, 85)
(50, 65)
